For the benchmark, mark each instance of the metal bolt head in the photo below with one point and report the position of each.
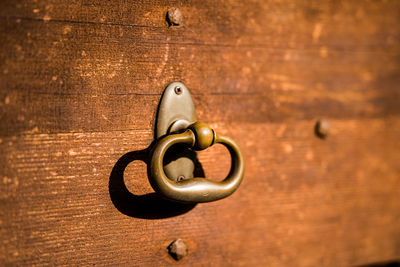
(178, 249)
(174, 17)
(322, 128)
(178, 90)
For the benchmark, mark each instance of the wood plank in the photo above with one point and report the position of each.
(300, 23)
(79, 86)
(82, 71)
(38, 113)
(298, 193)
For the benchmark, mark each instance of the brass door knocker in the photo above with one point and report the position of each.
(177, 124)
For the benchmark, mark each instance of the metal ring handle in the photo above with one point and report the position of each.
(197, 190)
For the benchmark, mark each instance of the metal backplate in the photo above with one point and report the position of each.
(176, 111)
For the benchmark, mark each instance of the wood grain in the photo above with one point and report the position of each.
(79, 86)
(311, 64)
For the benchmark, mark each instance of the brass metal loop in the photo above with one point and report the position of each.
(198, 136)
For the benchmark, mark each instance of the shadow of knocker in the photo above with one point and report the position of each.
(148, 206)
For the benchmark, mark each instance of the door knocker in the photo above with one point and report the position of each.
(177, 125)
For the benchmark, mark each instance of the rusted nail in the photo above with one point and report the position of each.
(178, 90)
(174, 17)
(178, 249)
(322, 128)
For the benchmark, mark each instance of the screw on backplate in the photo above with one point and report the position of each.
(322, 128)
(174, 17)
(178, 249)
(178, 90)
(181, 178)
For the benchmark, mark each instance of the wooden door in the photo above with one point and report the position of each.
(79, 89)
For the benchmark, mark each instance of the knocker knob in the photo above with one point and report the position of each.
(204, 135)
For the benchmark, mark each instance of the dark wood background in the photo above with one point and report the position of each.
(79, 86)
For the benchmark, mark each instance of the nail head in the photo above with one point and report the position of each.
(322, 128)
(178, 90)
(174, 17)
(178, 249)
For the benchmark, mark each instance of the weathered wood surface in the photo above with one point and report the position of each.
(79, 87)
